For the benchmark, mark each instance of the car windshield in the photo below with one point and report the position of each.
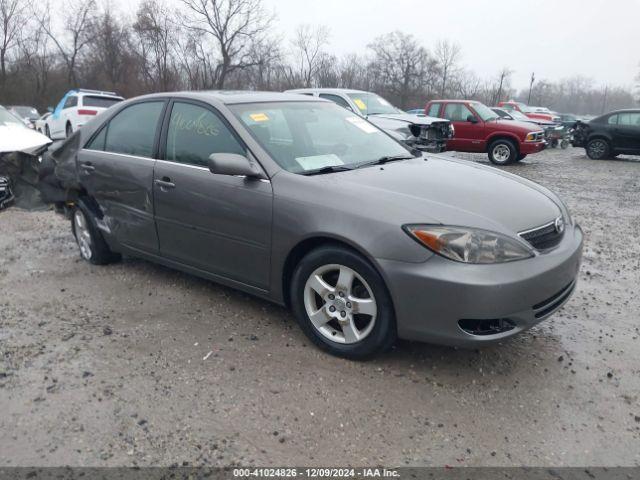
(519, 116)
(371, 104)
(26, 112)
(99, 102)
(7, 118)
(308, 136)
(484, 112)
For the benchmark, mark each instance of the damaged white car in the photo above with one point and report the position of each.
(20, 150)
(425, 133)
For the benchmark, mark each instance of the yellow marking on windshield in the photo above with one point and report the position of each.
(259, 117)
(360, 104)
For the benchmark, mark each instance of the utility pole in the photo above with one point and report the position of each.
(604, 99)
(533, 78)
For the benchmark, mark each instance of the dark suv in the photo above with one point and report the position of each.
(610, 135)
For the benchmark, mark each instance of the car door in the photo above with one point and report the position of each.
(116, 169)
(219, 224)
(627, 132)
(468, 135)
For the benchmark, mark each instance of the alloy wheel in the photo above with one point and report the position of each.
(83, 235)
(501, 153)
(340, 304)
(597, 148)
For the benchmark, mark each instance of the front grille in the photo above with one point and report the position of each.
(551, 304)
(544, 237)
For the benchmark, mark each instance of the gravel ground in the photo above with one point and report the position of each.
(136, 364)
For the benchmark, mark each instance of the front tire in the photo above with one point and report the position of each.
(502, 152)
(93, 248)
(342, 304)
(47, 132)
(598, 149)
(68, 130)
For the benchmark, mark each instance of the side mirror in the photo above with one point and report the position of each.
(472, 119)
(233, 164)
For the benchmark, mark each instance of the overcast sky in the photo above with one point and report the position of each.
(553, 38)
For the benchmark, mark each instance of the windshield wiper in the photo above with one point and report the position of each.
(385, 159)
(327, 169)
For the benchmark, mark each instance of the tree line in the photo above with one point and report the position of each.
(46, 49)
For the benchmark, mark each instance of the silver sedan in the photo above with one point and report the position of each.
(301, 202)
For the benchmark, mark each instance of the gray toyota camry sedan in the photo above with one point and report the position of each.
(301, 202)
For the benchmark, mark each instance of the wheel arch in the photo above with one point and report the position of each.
(503, 136)
(308, 244)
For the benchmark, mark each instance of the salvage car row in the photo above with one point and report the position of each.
(504, 132)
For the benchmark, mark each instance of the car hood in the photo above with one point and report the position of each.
(16, 138)
(406, 118)
(440, 190)
(526, 127)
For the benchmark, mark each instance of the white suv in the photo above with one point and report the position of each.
(75, 109)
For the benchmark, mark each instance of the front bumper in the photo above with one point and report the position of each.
(532, 147)
(431, 298)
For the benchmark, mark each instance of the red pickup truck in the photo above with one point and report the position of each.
(479, 129)
(530, 112)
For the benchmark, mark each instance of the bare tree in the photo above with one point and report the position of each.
(402, 67)
(77, 19)
(12, 20)
(638, 86)
(307, 53)
(502, 85)
(155, 37)
(233, 25)
(36, 59)
(466, 85)
(447, 55)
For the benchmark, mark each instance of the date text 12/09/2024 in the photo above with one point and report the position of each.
(315, 472)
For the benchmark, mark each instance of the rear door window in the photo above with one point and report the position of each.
(133, 130)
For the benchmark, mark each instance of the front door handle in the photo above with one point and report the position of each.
(165, 183)
(87, 167)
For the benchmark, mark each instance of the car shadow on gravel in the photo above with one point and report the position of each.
(539, 346)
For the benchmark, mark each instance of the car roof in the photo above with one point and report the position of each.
(454, 101)
(624, 110)
(229, 97)
(325, 90)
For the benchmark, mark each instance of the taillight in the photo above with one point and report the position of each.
(87, 112)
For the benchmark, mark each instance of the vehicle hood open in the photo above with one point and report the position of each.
(16, 138)
(407, 118)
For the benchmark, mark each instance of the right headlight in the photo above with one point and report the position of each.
(469, 245)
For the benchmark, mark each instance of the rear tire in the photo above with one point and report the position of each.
(93, 248)
(598, 149)
(502, 152)
(352, 311)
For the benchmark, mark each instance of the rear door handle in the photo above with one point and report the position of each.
(165, 183)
